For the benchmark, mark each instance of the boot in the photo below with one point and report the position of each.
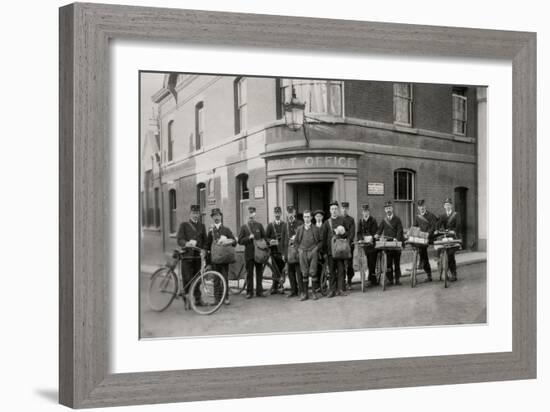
(314, 290)
(304, 295)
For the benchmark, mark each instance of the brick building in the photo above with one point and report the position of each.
(222, 141)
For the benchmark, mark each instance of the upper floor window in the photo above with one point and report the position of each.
(199, 125)
(240, 91)
(320, 96)
(402, 103)
(460, 102)
(170, 140)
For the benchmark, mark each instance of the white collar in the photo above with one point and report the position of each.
(218, 225)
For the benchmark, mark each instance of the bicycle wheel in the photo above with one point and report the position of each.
(202, 294)
(445, 266)
(163, 288)
(414, 268)
(324, 282)
(238, 284)
(383, 268)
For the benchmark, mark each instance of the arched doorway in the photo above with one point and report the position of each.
(461, 207)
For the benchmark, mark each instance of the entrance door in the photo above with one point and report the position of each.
(312, 196)
(462, 210)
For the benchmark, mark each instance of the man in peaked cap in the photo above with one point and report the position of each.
(391, 227)
(275, 233)
(368, 226)
(349, 223)
(250, 232)
(319, 215)
(336, 266)
(426, 222)
(450, 220)
(192, 234)
(294, 272)
(219, 233)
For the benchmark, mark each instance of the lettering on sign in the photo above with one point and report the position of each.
(375, 188)
(313, 162)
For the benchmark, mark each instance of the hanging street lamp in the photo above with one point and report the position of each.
(294, 115)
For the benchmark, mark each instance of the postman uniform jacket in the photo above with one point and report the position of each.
(276, 231)
(367, 228)
(449, 222)
(252, 227)
(350, 227)
(391, 228)
(316, 237)
(192, 231)
(427, 223)
(291, 229)
(327, 232)
(214, 235)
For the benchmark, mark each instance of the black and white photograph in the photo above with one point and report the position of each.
(279, 205)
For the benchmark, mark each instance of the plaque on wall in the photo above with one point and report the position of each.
(259, 192)
(375, 188)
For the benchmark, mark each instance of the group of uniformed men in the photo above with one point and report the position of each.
(311, 240)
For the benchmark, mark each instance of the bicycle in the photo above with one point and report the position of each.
(383, 245)
(167, 284)
(271, 273)
(416, 240)
(324, 280)
(362, 260)
(444, 243)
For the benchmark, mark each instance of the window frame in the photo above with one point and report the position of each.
(410, 100)
(285, 84)
(411, 191)
(170, 148)
(199, 125)
(456, 95)
(173, 207)
(241, 104)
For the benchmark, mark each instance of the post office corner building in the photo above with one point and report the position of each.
(222, 141)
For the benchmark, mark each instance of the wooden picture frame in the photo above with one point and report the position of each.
(85, 31)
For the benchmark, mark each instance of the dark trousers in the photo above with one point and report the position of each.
(424, 260)
(295, 278)
(452, 261)
(349, 267)
(189, 268)
(278, 261)
(337, 275)
(393, 264)
(308, 266)
(250, 266)
(371, 264)
(218, 288)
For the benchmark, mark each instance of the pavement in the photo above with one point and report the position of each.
(428, 304)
